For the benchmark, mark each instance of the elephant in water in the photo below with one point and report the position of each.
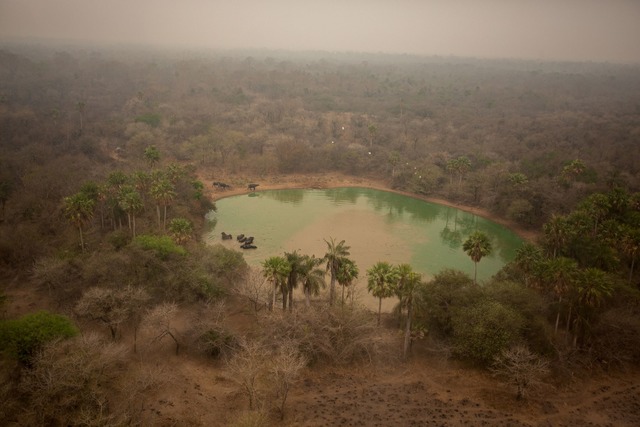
(226, 236)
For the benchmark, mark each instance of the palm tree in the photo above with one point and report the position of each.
(115, 181)
(556, 233)
(311, 277)
(477, 246)
(276, 270)
(142, 182)
(630, 246)
(594, 286)
(406, 288)
(460, 165)
(152, 155)
(528, 258)
(163, 193)
(295, 263)
(347, 273)
(130, 202)
(559, 275)
(333, 257)
(381, 281)
(597, 207)
(78, 209)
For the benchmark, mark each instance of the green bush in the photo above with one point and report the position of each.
(449, 291)
(528, 304)
(482, 331)
(163, 246)
(23, 337)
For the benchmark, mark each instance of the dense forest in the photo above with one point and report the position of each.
(107, 161)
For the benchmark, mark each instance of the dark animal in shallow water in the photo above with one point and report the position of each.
(248, 240)
(252, 187)
(240, 237)
(243, 240)
(248, 246)
(226, 236)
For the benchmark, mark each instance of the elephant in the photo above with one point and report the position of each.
(248, 240)
(226, 236)
(252, 187)
(240, 237)
(248, 246)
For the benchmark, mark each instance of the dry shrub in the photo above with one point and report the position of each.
(254, 289)
(248, 367)
(160, 321)
(518, 366)
(339, 335)
(615, 338)
(55, 274)
(138, 385)
(209, 332)
(73, 382)
(266, 373)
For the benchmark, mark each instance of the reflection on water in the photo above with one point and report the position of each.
(285, 196)
(378, 225)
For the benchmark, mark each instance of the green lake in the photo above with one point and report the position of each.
(377, 225)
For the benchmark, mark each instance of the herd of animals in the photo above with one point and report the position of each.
(247, 241)
(224, 186)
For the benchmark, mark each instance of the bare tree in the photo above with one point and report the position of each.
(105, 305)
(520, 367)
(209, 331)
(72, 382)
(114, 307)
(254, 289)
(159, 321)
(248, 367)
(284, 371)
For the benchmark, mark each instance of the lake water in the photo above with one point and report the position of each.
(377, 225)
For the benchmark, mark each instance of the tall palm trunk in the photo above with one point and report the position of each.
(164, 220)
(273, 295)
(407, 330)
(81, 238)
(307, 298)
(332, 289)
(558, 315)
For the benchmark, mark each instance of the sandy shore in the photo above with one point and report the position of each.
(334, 180)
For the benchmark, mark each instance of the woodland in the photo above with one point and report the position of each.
(115, 311)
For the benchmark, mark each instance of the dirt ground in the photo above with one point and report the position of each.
(428, 390)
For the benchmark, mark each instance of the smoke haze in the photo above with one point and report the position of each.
(593, 30)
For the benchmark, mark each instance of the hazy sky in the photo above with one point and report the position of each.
(599, 30)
